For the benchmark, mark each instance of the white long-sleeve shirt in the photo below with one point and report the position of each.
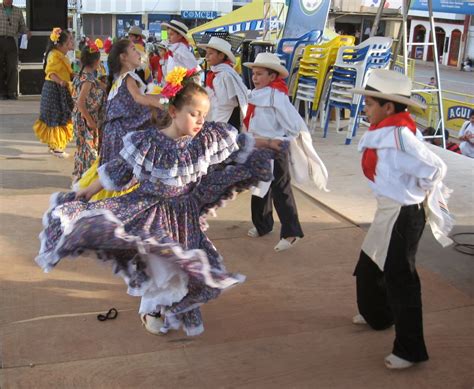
(182, 56)
(274, 115)
(401, 176)
(228, 92)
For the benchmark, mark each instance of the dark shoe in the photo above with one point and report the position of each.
(12, 97)
(3, 98)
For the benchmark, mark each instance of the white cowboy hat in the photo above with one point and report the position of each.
(269, 61)
(221, 45)
(179, 27)
(135, 30)
(389, 85)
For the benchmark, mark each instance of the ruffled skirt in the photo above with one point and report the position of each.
(54, 126)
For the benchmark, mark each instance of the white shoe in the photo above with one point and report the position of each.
(358, 319)
(393, 362)
(60, 154)
(152, 324)
(253, 233)
(285, 244)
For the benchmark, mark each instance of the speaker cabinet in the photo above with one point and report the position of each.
(36, 48)
(44, 15)
(31, 79)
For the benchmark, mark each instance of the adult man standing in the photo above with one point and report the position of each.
(11, 24)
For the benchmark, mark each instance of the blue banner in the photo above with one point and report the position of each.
(304, 16)
(463, 7)
(124, 22)
(250, 25)
(154, 23)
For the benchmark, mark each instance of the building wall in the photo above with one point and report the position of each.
(448, 29)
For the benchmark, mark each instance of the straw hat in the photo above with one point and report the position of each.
(135, 30)
(221, 45)
(389, 85)
(179, 27)
(269, 61)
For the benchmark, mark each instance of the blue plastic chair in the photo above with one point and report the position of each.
(352, 67)
(288, 47)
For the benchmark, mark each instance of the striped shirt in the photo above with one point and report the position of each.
(11, 23)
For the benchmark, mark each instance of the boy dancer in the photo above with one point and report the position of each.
(226, 90)
(270, 115)
(406, 178)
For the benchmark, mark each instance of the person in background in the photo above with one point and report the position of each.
(136, 36)
(225, 87)
(430, 131)
(179, 50)
(156, 63)
(12, 23)
(54, 126)
(88, 114)
(466, 135)
(432, 82)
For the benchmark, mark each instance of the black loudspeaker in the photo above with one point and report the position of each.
(44, 15)
(31, 78)
(36, 48)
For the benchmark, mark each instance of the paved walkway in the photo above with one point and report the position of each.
(287, 326)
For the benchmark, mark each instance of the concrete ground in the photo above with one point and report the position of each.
(289, 325)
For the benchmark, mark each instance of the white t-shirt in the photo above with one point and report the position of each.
(467, 147)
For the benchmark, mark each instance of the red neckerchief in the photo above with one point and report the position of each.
(369, 157)
(278, 84)
(210, 75)
(168, 54)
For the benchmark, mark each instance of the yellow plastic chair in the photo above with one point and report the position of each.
(314, 66)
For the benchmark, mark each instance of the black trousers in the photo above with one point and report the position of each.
(394, 295)
(281, 195)
(8, 67)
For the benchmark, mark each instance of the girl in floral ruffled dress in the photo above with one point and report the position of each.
(153, 235)
(88, 114)
(128, 109)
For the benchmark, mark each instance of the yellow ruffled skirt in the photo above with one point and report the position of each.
(56, 138)
(90, 176)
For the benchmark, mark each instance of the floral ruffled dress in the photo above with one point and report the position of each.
(123, 115)
(87, 140)
(153, 235)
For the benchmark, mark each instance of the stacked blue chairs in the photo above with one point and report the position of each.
(290, 49)
(313, 68)
(352, 67)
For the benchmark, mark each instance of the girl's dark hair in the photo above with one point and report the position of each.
(63, 37)
(182, 98)
(399, 107)
(113, 61)
(88, 58)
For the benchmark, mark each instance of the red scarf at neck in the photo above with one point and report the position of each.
(210, 75)
(369, 157)
(280, 85)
